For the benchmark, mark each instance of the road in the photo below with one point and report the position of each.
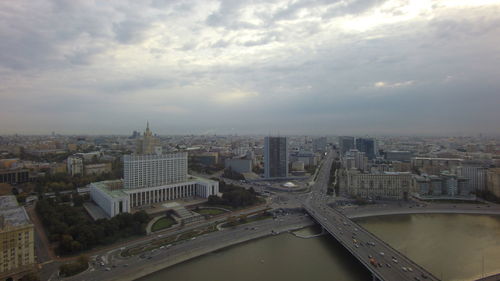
(383, 261)
(119, 268)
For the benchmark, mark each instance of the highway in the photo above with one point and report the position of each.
(117, 268)
(384, 262)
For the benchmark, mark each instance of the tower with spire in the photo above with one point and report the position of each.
(146, 144)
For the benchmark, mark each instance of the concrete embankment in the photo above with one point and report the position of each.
(196, 252)
(376, 213)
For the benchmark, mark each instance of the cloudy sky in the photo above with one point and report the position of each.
(246, 67)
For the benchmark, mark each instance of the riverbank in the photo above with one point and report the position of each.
(393, 212)
(162, 264)
(137, 266)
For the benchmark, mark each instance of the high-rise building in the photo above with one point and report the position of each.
(355, 159)
(493, 181)
(150, 179)
(146, 144)
(476, 176)
(275, 157)
(366, 145)
(154, 170)
(74, 165)
(346, 144)
(319, 144)
(17, 240)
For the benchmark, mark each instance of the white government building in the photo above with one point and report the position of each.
(150, 179)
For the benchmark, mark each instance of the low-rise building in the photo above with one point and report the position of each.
(97, 169)
(434, 166)
(14, 176)
(388, 185)
(396, 155)
(240, 165)
(114, 199)
(445, 185)
(206, 158)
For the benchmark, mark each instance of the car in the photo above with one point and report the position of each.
(370, 256)
(410, 269)
(382, 253)
(356, 245)
(108, 269)
(388, 265)
(416, 278)
(404, 269)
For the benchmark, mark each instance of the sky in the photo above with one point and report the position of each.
(370, 67)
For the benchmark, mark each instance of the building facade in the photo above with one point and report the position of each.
(74, 165)
(387, 185)
(493, 181)
(476, 176)
(346, 144)
(17, 240)
(146, 144)
(355, 159)
(319, 144)
(150, 179)
(366, 145)
(114, 199)
(434, 166)
(154, 170)
(394, 155)
(14, 176)
(275, 157)
(97, 169)
(240, 165)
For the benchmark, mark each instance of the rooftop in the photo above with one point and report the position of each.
(8, 201)
(113, 188)
(11, 214)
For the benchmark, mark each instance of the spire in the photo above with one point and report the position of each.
(148, 131)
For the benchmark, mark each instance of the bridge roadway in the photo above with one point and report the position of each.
(389, 264)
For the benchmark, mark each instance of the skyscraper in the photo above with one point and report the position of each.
(319, 144)
(275, 157)
(346, 144)
(146, 144)
(366, 145)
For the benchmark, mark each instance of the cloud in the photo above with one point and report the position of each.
(382, 84)
(234, 96)
(298, 66)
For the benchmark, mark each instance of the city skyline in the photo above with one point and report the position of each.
(231, 67)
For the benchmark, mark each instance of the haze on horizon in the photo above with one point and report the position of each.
(250, 67)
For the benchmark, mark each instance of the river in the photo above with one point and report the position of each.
(452, 247)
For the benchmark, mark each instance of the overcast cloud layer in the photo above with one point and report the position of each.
(239, 66)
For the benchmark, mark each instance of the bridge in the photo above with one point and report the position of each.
(384, 262)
